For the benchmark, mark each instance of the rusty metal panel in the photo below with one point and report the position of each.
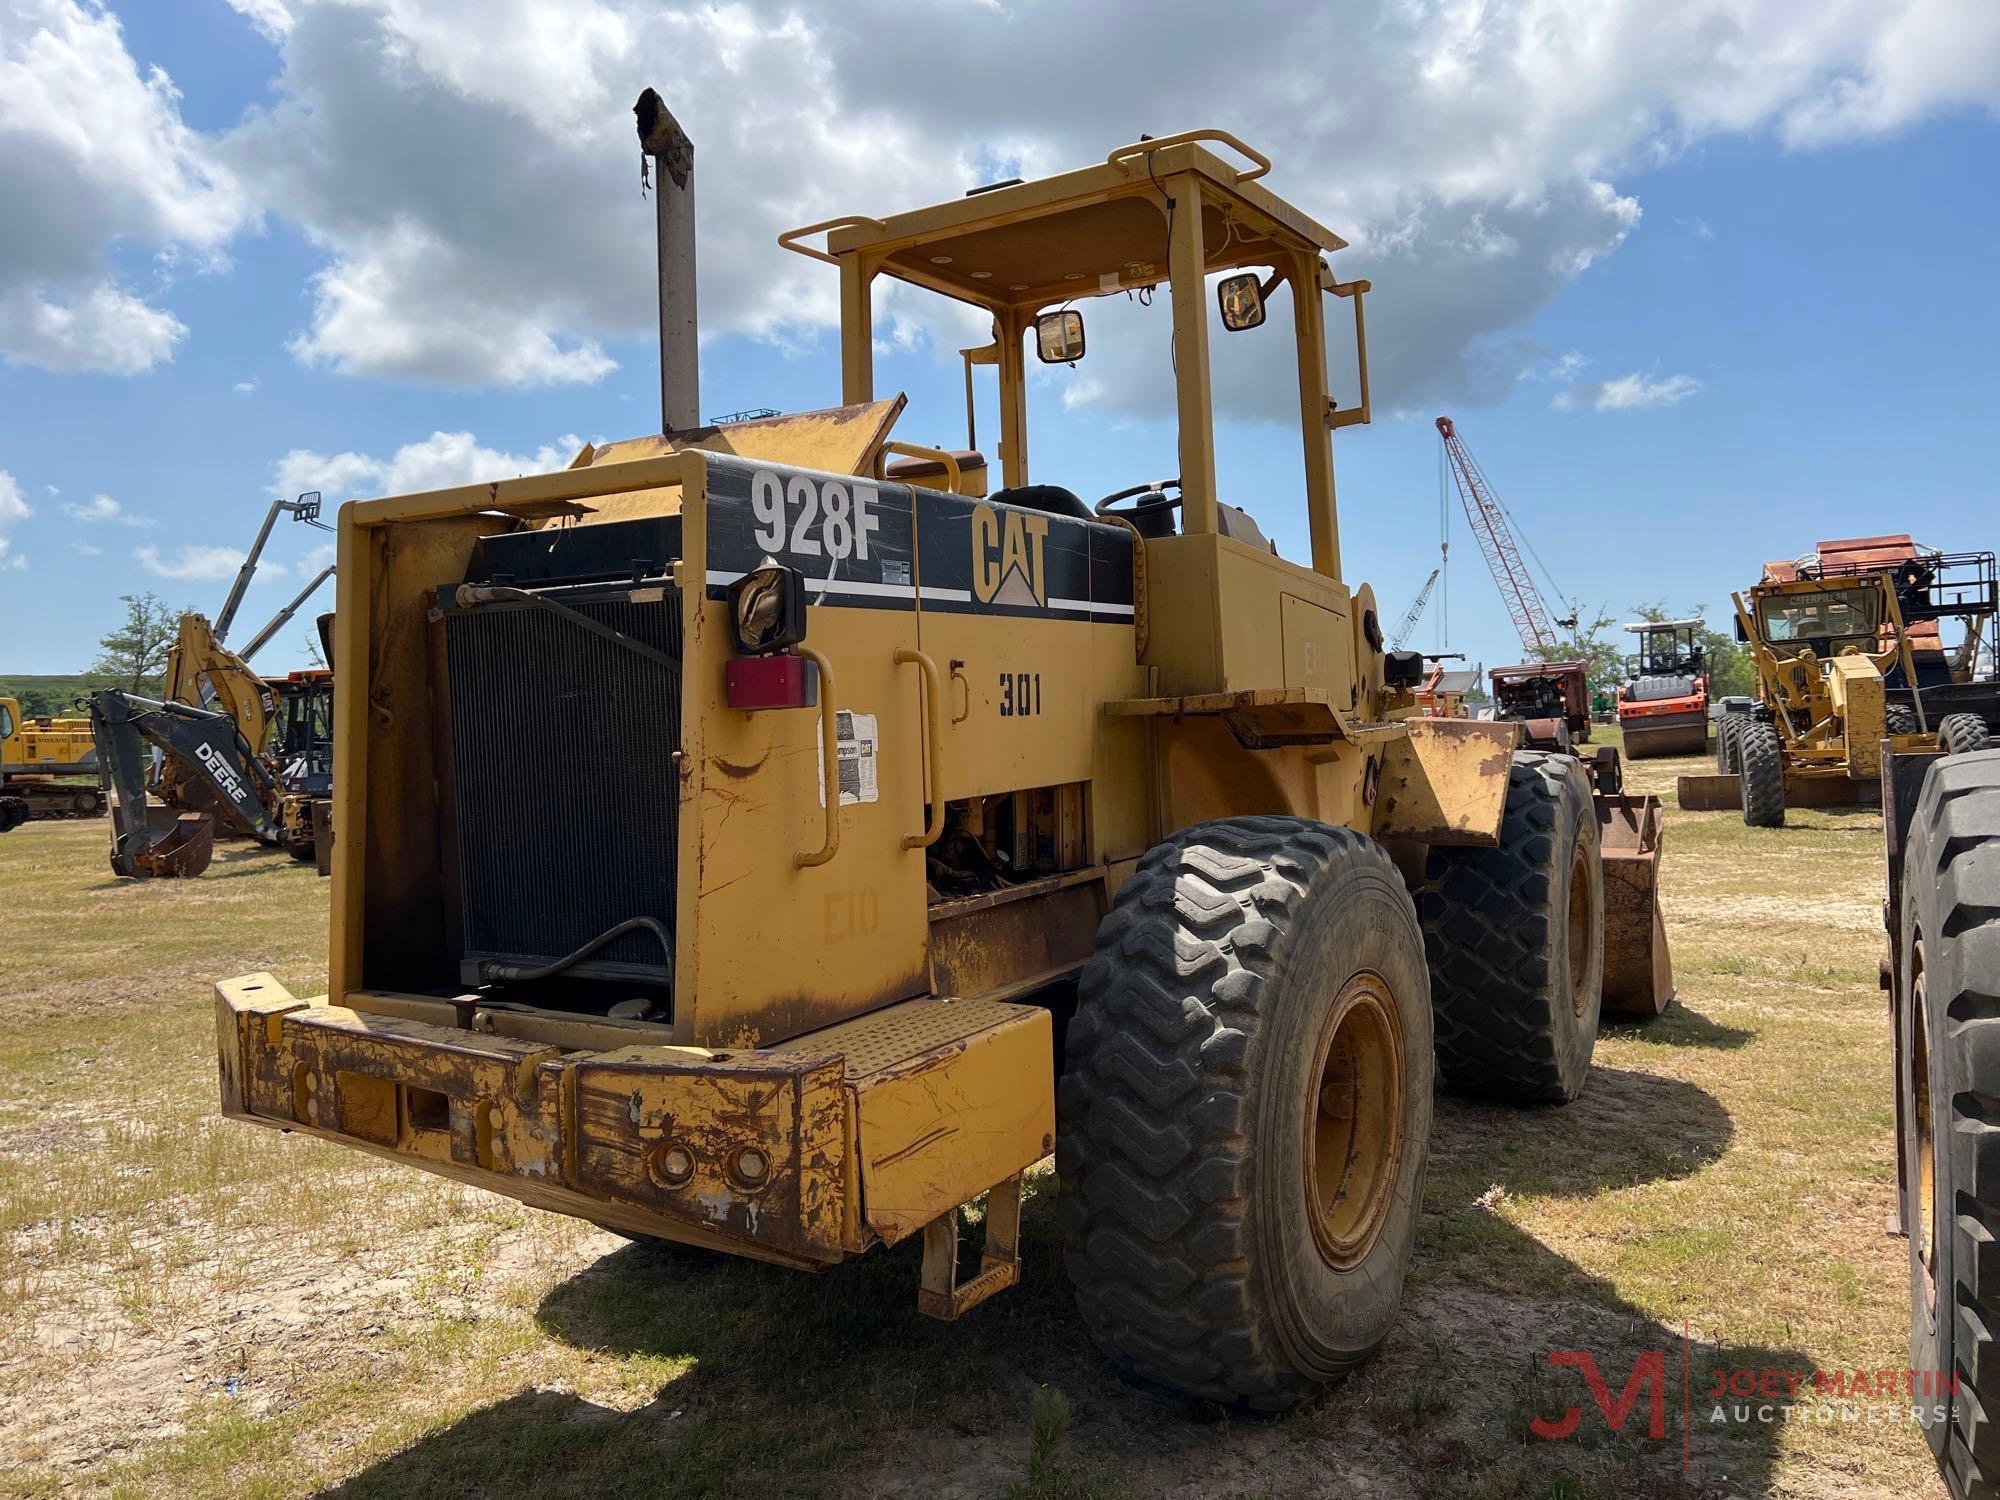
(1638, 969)
(836, 440)
(746, 1151)
(1447, 782)
(982, 943)
(951, 1097)
(631, 1115)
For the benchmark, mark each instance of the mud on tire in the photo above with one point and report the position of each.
(1950, 1124)
(1515, 941)
(1204, 1066)
(1762, 768)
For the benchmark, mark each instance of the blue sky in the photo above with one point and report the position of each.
(1820, 300)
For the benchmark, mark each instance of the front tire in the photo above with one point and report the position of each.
(1515, 940)
(1245, 1111)
(1950, 1047)
(1963, 734)
(1762, 769)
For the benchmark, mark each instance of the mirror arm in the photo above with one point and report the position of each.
(1354, 416)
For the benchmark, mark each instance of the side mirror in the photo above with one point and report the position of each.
(1242, 301)
(767, 610)
(1059, 337)
(1742, 639)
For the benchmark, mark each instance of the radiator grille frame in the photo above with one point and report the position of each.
(564, 778)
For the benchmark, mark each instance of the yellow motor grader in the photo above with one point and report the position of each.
(1842, 672)
(896, 833)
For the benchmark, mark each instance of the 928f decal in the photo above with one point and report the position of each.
(812, 518)
(866, 543)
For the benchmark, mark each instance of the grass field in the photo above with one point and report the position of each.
(193, 1308)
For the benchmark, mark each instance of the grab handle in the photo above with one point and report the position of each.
(789, 240)
(933, 747)
(954, 479)
(829, 770)
(1140, 148)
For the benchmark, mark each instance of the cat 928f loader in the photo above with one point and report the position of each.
(896, 834)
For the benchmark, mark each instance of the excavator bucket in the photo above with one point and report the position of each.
(1638, 971)
(174, 844)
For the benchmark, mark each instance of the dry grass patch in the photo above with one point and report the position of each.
(192, 1308)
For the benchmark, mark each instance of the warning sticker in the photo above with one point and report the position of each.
(854, 747)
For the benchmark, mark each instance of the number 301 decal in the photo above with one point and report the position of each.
(824, 520)
(1020, 694)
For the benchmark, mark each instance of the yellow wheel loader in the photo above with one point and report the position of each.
(895, 834)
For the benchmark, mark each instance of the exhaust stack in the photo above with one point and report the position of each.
(662, 139)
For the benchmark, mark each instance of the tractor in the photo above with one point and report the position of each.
(899, 831)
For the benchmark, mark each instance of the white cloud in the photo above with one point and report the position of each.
(104, 330)
(103, 508)
(469, 170)
(441, 460)
(1633, 392)
(85, 549)
(13, 509)
(92, 153)
(268, 16)
(201, 564)
(245, 387)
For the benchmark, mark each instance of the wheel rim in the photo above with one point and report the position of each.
(1925, 1229)
(1582, 930)
(1354, 1122)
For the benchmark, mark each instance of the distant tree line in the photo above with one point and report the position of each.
(132, 655)
(1608, 657)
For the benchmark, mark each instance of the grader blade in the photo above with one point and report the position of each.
(1638, 970)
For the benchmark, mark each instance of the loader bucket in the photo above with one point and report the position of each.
(1638, 971)
(173, 845)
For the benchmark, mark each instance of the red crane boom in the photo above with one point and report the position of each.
(1503, 558)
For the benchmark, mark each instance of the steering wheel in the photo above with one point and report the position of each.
(1160, 499)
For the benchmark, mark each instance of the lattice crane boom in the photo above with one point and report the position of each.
(1415, 611)
(1496, 541)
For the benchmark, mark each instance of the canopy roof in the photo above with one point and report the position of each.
(1089, 232)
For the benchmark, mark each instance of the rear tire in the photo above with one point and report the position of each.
(1950, 1048)
(1762, 769)
(1963, 734)
(1899, 718)
(1515, 940)
(1245, 1111)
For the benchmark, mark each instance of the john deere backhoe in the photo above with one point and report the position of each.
(236, 751)
(895, 834)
